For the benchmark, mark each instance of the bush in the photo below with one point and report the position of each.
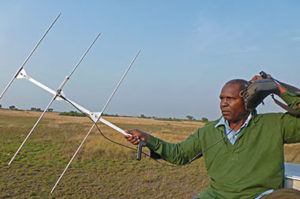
(12, 107)
(36, 109)
(72, 113)
(204, 119)
(189, 117)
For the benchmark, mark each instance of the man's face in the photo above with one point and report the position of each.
(232, 104)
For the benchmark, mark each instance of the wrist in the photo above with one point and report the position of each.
(145, 137)
(281, 89)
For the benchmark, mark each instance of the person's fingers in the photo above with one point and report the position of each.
(134, 136)
(129, 136)
(256, 77)
(129, 131)
(136, 142)
(132, 139)
(269, 76)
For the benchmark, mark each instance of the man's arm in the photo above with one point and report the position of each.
(179, 153)
(290, 124)
(281, 88)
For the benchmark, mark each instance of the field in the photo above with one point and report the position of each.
(101, 169)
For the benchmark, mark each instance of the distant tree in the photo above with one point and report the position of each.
(189, 117)
(50, 110)
(12, 107)
(0, 106)
(204, 119)
(143, 116)
(35, 109)
(72, 113)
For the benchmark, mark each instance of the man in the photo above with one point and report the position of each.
(243, 151)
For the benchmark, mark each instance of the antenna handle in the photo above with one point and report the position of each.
(139, 150)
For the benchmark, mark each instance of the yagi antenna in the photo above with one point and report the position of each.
(30, 54)
(58, 93)
(94, 116)
(98, 117)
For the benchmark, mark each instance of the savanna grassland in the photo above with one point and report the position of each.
(101, 169)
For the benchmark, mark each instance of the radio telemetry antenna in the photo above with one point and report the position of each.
(59, 95)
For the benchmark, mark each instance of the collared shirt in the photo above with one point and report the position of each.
(232, 136)
(269, 167)
(230, 133)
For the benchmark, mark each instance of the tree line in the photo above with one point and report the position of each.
(13, 107)
(78, 114)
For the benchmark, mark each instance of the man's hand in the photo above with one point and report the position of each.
(137, 135)
(260, 77)
(281, 89)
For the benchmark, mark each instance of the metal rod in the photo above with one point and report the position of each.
(74, 104)
(57, 95)
(12, 159)
(116, 88)
(90, 114)
(95, 122)
(113, 126)
(80, 60)
(33, 50)
(37, 83)
(72, 158)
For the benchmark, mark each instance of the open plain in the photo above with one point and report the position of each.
(101, 169)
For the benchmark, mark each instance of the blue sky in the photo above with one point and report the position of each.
(189, 50)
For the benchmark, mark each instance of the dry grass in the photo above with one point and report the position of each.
(101, 169)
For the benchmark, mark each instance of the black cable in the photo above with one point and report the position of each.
(209, 147)
(128, 147)
(112, 141)
(162, 163)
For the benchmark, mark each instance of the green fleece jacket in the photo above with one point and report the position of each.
(253, 165)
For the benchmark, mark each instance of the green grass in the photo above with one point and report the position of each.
(101, 169)
(72, 113)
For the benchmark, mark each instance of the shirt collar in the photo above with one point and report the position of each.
(221, 122)
(225, 122)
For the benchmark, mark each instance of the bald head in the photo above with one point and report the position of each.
(241, 82)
